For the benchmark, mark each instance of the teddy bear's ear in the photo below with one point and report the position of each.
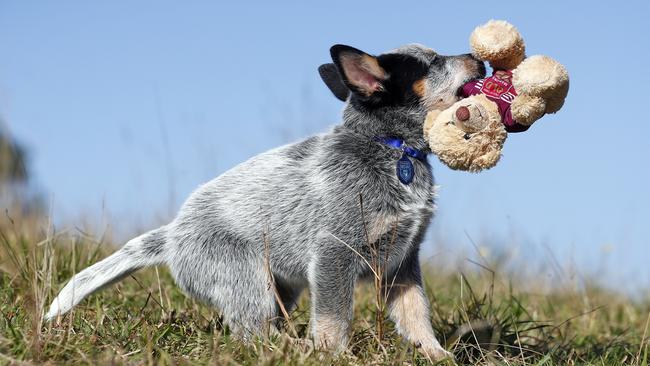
(331, 77)
(360, 71)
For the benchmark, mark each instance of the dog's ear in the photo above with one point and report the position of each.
(360, 71)
(330, 75)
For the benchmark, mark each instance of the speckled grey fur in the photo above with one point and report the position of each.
(304, 198)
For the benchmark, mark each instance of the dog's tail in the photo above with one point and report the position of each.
(145, 250)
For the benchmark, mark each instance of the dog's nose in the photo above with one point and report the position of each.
(462, 113)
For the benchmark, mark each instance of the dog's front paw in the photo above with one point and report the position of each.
(436, 353)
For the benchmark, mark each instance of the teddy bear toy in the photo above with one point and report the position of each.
(470, 134)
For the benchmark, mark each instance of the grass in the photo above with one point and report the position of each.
(485, 313)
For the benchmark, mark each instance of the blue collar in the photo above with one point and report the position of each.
(399, 144)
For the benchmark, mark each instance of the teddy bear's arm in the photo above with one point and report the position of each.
(527, 109)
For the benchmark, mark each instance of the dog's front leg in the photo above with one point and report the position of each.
(332, 289)
(409, 308)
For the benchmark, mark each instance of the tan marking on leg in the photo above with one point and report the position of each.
(331, 334)
(409, 309)
(410, 312)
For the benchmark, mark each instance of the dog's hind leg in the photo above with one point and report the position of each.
(230, 278)
(289, 292)
(252, 310)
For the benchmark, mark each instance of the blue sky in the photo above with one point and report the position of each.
(127, 106)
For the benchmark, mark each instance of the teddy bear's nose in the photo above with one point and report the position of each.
(462, 113)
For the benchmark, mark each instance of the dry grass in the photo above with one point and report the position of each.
(484, 314)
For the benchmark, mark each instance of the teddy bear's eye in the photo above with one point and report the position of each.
(467, 136)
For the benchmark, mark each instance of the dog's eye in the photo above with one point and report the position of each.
(467, 136)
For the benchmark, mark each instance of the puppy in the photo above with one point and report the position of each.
(314, 211)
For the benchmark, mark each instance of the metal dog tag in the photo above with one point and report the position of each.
(405, 171)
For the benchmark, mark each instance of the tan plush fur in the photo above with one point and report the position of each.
(556, 102)
(527, 109)
(499, 42)
(463, 150)
(475, 143)
(428, 122)
(543, 77)
(541, 82)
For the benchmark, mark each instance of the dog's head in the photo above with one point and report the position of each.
(412, 77)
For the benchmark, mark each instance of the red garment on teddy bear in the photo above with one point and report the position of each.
(498, 88)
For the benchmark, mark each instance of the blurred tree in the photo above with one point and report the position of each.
(16, 192)
(12, 161)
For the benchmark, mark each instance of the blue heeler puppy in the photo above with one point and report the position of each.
(315, 210)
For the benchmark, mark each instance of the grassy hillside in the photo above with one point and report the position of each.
(485, 315)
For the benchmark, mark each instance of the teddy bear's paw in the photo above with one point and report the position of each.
(527, 109)
(498, 42)
(554, 104)
(541, 76)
